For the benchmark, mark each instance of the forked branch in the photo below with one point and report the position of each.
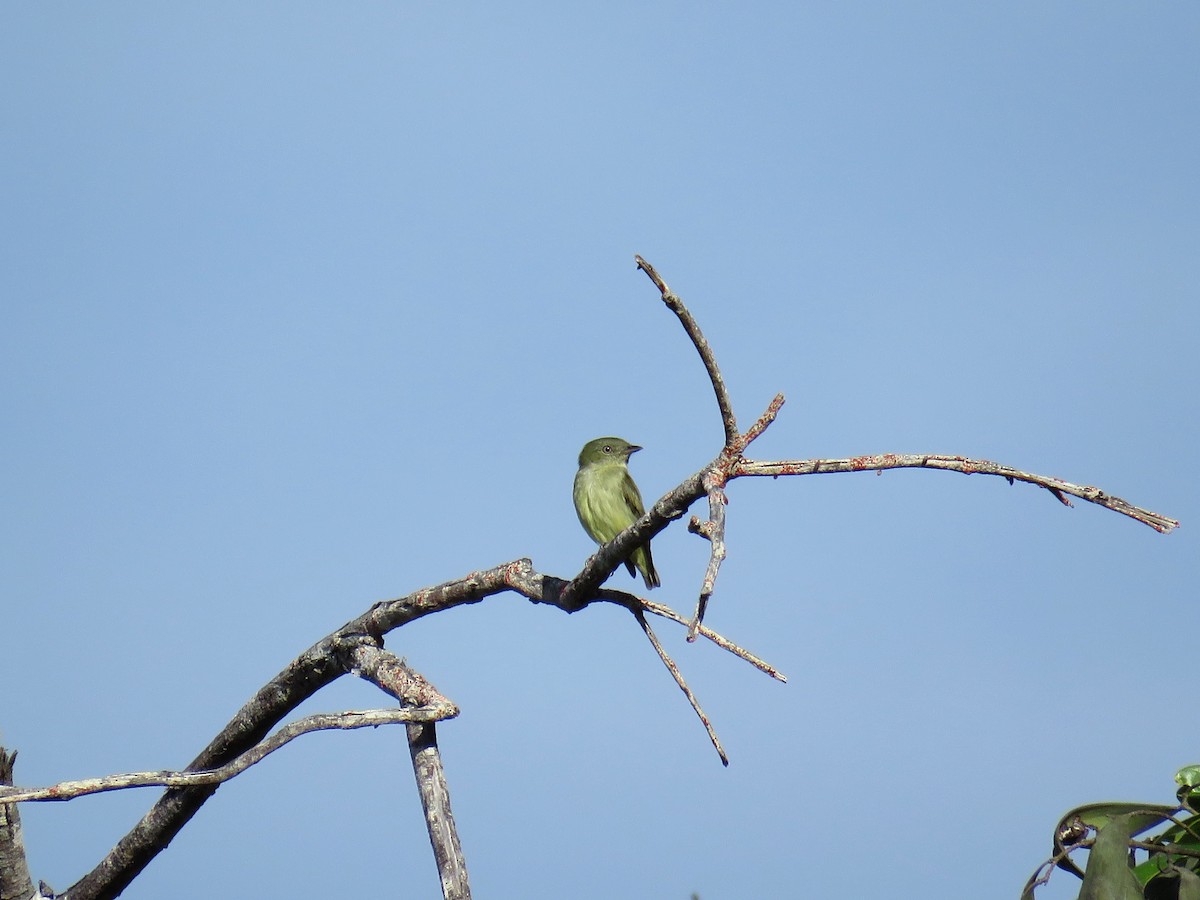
(730, 463)
(357, 646)
(352, 649)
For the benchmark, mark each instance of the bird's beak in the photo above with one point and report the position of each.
(633, 448)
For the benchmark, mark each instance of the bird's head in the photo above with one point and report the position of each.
(606, 450)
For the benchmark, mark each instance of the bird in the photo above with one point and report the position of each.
(607, 501)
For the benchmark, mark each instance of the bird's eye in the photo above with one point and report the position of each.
(608, 448)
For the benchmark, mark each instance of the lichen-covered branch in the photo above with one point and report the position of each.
(714, 479)
(1056, 486)
(671, 299)
(731, 463)
(394, 676)
(713, 531)
(439, 818)
(354, 648)
(391, 674)
(15, 882)
(343, 721)
(357, 647)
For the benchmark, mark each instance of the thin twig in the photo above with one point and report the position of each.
(702, 347)
(760, 425)
(1167, 849)
(1040, 878)
(339, 652)
(962, 464)
(683, 685)
(724, 643)
(714, 480)
(368, 718)
(319, 665)
(581, 589)
(714, 532)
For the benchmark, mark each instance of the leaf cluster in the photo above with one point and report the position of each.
(1170, 869)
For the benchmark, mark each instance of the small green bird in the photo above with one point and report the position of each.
(607, 501)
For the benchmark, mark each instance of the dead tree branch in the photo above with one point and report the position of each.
(357, 647)
(15, 882)
(435, 801)
(1055, 486)
(343, 721)
(666, 612)
(383, 669)
(683, 685)
(731, 463)
(671, 299)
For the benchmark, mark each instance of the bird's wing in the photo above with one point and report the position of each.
(633, 499)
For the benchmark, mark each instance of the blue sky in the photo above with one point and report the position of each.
(306, 306)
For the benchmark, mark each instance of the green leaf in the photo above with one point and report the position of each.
(1189, 885)
(1174, 884)
(1162, 860)
(1185, 834)
(1144, 816)
(1070, 829)
(1188, 777)
(1108, 875)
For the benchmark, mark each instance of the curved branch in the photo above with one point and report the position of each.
(671, 299)
(732, 464)
(357, 646)
(353, 648)
(581, 589)
(348, 720)
(319, 665)
(1055, 486)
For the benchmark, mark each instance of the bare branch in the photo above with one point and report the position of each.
(731, 464)
(394, 676)
(316, 667)
(1166, 849)
(581, 589)
(351, 719)
(334, 655)
(702, 347)
(1041, 875)
(1055, 486)
(760, 425)
(714, 532)
(683, 686)
(357, 646)
(435, 800)
(724, 643)
(15, 882)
